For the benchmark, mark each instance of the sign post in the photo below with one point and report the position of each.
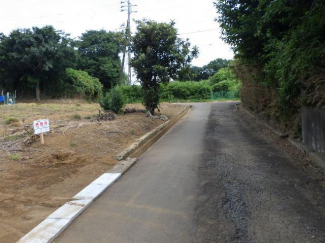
(40, 127)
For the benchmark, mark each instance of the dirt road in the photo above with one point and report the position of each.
(215, 177)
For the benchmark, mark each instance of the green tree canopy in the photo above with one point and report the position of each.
(281, 40)
(203, 73)
(99, 56)
(34, 57)
(159, 55)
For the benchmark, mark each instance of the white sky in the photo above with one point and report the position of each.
(194, 19)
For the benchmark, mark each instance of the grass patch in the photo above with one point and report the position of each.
(73, 144)
(76, 117)
(10, 120)
(14, 157)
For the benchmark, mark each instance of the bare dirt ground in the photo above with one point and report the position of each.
(37, 179)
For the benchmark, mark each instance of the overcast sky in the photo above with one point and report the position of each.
(194, 19)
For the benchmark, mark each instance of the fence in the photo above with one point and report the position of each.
(225, 95)
(8, 99)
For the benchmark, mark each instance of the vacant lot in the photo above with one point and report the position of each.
(36, 179)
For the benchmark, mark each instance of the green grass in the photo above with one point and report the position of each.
(10, 120)
(14, 157)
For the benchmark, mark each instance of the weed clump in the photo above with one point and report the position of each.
(76, 117)
(73, 144)
(14, 157)
(11, 120)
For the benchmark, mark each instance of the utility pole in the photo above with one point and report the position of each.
(127, 46)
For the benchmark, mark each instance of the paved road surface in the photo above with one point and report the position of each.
(211, 178)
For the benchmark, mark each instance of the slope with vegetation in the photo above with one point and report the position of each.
(280, 51)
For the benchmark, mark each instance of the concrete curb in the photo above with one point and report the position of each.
(158, 132)
(313, 156)
(59, 220)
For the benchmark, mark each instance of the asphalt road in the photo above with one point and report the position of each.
(211, 178)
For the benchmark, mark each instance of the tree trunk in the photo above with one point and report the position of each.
(152, 110)
(38, 92)
(122, 68)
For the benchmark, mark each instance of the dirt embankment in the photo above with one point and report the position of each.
(37, 179)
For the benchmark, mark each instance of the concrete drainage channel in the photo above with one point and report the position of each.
(59, 220)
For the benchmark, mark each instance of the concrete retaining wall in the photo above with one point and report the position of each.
(313, 128)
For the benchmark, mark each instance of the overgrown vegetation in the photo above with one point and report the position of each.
(80, 84)
(222, 82)
(186, 90)
(280, 53)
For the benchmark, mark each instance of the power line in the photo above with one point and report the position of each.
(173, 7)
(200, 31)
(50, 17)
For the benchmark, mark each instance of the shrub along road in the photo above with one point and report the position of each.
(212, 178)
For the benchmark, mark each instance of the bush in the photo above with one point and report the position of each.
(113, 100)
(132, 94)
(80, 83)
(224, 80)
(222, 75)
(186, 90)
(222, 86)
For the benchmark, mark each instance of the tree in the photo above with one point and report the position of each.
(215, 65)
(34, 58)
(203, 73)
(280, 40)
(159, 55)
(99, 56)
(238, 20)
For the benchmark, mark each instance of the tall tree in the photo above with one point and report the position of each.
(99, 56)
(159, 55)
(34, 57)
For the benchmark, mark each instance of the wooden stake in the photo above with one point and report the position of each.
(42, 138)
